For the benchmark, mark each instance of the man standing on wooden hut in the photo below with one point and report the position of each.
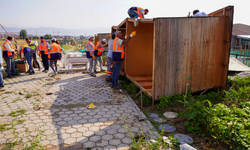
(118, 56)
(90, 54)
(135, 12)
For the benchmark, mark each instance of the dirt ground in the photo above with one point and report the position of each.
(200, 142)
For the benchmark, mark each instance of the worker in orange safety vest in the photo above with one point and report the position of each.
(98, 53)
(137, 12)
(54, 54)
(8, 55)
(44, 48)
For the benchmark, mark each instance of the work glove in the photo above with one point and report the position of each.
(133, 34)
(93, 57)
(126, 36)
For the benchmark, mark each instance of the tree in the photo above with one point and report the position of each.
(35, 37)
(48, 36)
(23, 34)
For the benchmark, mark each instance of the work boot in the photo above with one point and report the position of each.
(17, 74)
(108, 80)
(117, 88)
(93, 75)
(95, 71)
(46, 71)
(39, 69)
(103, 70)
(27, 72)
(33, 72)
(43, 70)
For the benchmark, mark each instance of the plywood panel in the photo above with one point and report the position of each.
(186, 52)
(139, 51)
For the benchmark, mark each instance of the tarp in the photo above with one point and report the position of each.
(236, 65)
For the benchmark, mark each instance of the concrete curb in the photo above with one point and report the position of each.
(142, 114)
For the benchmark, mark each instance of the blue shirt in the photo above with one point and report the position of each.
(1, 59)
(26, 50)
(111, 41)
(200, 14)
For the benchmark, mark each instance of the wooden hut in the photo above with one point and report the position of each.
(167, 55)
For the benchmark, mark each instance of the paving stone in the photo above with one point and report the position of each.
(95, 138)
(71, 130)
(127, 140)
(88, 133)
(82, 139)
(89, 144)
(70, 140)
(94, 128)
(114, 142)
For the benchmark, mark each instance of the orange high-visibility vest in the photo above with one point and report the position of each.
(6, 53)
(43, 47)
(100, 50)
(118, 52)
(93, 46)
(139, 11)
(55, 49)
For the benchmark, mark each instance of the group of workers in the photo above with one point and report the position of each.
(115, 55)
(50, 54)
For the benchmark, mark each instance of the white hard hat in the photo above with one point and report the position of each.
(104, 40)
(91, 36)
(53, 39)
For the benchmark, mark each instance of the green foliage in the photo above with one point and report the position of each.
(166, 101)
(239, 94)
(132, 89)
(4, 127)
(17, 113)
(35, 37)
(145, 98)
(104, 58)
(23, 34)
(47, 36)
(212, 96)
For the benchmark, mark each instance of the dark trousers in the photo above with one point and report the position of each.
(116, 73)
(45, 61)
(34, 58)
(10, 66)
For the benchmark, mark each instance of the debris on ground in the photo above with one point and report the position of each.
(182, 138)
(170, 115)
(91, 106)
(167, 128)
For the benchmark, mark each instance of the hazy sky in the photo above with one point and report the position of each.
(86, 14)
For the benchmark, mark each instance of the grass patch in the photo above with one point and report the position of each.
(17, 113)
(3, 127)
(18, 99)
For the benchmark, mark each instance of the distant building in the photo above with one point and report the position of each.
(82, 37)
(240, 36)
(66, 37)
(4, 35)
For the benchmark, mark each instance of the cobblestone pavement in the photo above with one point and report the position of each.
(62, 112)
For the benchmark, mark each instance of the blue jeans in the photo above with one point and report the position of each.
(28, 57)
(116, 73)
(10, 66)
(1, 77)
(51, 65)
(132, 13)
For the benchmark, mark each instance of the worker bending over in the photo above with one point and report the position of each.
(33, 46)
(197, 13)
(109, 59)
(135, 12)
(118, 56)
(98, 53)
(90, 54)
(26, 51)
(8, 55)
(54, 55)
(44, 48)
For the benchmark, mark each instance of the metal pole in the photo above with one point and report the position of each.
(10, 35)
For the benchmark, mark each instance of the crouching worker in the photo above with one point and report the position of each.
(54, 55)
(109, 59)
(26, 51)
(118, 56)
(98, 53)
(90, 54)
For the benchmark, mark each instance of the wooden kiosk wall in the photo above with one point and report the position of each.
(193, 51)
